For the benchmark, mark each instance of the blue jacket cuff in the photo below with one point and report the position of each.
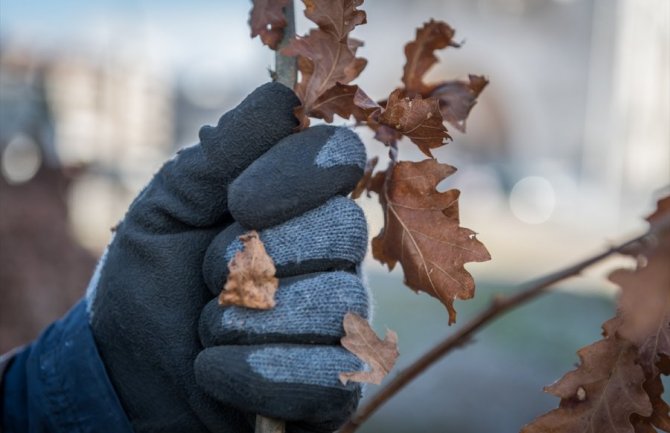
(59, 383)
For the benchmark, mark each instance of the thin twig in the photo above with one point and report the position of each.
(286, 67)
(500, 306)
(286, 72)
(393, 152)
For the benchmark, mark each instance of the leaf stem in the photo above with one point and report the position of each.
(393, 152)
(499, 306)
(286, 67)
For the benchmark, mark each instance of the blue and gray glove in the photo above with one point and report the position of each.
(179, 361)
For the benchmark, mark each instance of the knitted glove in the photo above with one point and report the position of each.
(180, 362)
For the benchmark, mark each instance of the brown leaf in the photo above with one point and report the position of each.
(622, 371)
(664, 365)
(343, 100)
(446, 101)
(642, 426)
(327, 61)
(418, 119)
(601, 394)
(457, 98)
(361, 340)
(434, 35)
(336, 18)
(251, 282)
(323, 62)
(662, 211)
(644, 304)
(655, 346)
(422, 232)
(659, 417)
(267, 20)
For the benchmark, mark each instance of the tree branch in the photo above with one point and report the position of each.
(286, 67)
(286, 72)
(500, 306)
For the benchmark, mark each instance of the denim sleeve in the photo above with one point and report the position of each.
(59, 384)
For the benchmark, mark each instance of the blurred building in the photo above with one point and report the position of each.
(76, 137)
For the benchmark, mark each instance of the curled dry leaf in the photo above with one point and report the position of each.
(661, 213)
(644, 303)
(621, 374)
(422, 231)
(660, 416)
(443, 101)
(418, 110)
(361, 340)
(323, 62)
(343, 100)
(326, 58)
(267, 19)
(337, 18)
(251, 281)
(418, 119)
(602, 394)
(420, 53)
(457, 98)
(644, 309)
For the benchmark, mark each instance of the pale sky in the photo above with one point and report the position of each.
(196, 40)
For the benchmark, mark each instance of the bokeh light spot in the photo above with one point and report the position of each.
(533, 200)
(21, 159)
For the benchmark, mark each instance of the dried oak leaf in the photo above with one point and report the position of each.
(422, 231)
(361, 340)
(644, 303)
(602, 394)
(344, 100)
(323, 62)
(660, 410)
(267, 19)
(418, 119)
(434, 35)
(336, 18)
(251, 281)
(457, 98)
(326, 58)
(662, 211)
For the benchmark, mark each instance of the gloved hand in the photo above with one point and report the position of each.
(181, 363)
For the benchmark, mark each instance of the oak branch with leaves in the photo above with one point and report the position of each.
(616, 388)
(422, 227)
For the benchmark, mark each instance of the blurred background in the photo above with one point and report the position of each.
(566, 149)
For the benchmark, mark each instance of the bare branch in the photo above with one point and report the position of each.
(286, 67)
(286, 72)
(500, 306)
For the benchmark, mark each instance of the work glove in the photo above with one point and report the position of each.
(180, 362)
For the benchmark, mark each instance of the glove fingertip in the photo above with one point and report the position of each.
(246, 132)
(300, 173)
(290, 382)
